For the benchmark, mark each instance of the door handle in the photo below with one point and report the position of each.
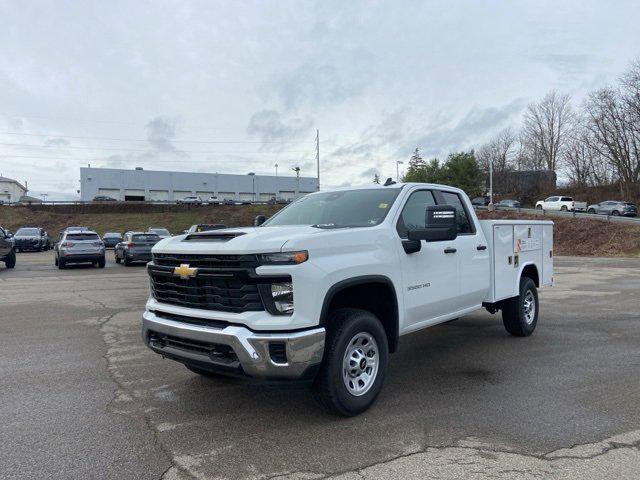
(450, 250)
(481, 247)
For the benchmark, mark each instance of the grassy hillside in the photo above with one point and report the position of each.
(175, 221)
(577, 236)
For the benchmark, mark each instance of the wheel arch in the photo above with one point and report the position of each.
(530, 270)
(374, 293)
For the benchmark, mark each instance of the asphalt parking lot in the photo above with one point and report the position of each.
(83, 398)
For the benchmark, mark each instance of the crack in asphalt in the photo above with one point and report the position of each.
(120, 387)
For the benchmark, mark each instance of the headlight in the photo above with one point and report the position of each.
(284, 258)
(282, 294)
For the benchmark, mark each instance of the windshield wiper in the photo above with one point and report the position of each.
(331, 225)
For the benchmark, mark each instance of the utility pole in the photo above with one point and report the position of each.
(276, 165)
(318, 155)
(490, 183)
(398, 162)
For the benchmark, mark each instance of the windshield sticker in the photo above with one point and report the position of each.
(383, 205)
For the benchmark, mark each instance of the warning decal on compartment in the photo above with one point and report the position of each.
(527, 244)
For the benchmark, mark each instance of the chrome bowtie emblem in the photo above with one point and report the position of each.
(185, 272)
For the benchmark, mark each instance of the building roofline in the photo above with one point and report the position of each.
(11, 180)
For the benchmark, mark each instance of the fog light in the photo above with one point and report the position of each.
(282, 294)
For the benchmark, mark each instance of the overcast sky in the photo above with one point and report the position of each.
(238, 86)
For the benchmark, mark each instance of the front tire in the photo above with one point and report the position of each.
(355, 362)
(10, 261)
(520, 314)
(62, 264)
(591, 211)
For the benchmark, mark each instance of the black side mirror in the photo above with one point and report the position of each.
(440, 222)
(259, 220)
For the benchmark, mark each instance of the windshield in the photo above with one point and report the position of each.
(150, 237)
(28, 231)
(348, 208)
(159, 231)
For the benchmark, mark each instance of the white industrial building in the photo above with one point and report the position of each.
(11, 190)
(150, 185)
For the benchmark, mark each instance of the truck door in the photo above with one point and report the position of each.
(430, 276)
(472, 254)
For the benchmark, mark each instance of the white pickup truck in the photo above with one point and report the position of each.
(324, 288)
(564, 204)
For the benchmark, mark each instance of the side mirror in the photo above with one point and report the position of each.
(440, 225)
(259, 220)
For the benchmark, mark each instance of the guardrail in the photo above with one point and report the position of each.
(557, 213)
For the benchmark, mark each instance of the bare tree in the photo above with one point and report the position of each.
(615, 135)
(501, 150)
(546, 131)
(584, 166)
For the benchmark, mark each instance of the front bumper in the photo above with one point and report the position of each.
(233, 348)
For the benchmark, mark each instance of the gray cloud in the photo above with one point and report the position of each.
(56, 141)
(270, 125)
(161, 131)
(468, 131)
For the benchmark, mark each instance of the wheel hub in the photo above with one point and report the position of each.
(360, 364)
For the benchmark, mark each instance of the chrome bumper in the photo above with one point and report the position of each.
(303, 349)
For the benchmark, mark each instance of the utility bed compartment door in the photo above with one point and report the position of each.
(547, 255)
(505, 276)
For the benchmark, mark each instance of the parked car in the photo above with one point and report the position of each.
(560, 203)
(75, 229)
(160, 231)
(615, 208)
(111, 239)
(31, 238)
(7, 252)
(213, 200)
(135, 247)
(205, 227)
(480, 201)
(508, 203)
(194, 200)
(79, 247)
(324, 288)
(104, 198)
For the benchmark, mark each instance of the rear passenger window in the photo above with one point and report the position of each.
(413, 213)
(567, 199)
(464, 223)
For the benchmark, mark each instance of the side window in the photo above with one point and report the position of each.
(464, 223)
(567, 199)
(413, 213)
(2, 233)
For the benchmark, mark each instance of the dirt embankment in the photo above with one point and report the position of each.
(120, 220)
(584, 237)
(572, 236)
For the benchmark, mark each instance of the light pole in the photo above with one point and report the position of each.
(490, 183)
(276, 165)
(398, 163)
(253, 189)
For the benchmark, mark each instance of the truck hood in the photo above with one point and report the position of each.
(246, 240)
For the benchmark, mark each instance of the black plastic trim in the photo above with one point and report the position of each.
(361, 280)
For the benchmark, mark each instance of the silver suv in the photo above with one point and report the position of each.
(614, 207)
(79, 247)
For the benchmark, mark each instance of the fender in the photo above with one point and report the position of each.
(391, 324)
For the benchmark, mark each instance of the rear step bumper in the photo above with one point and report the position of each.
(271, 355)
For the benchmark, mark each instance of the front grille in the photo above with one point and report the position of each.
(224, 283)
(206, 261)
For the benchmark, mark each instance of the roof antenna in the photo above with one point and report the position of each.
(389, 182)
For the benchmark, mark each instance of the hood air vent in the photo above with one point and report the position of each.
(212, 236)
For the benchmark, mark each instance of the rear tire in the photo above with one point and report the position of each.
(61, 264)
(563, 208)
(117, 258)
(355, 360)
(126, 261)
(539, 207)
(55, 261)
(520, 314)
(615, 213)
(10, 261)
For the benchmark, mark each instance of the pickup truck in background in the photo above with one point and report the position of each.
(559, 203)
(324, 289)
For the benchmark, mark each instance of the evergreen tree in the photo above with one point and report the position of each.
(376, 179)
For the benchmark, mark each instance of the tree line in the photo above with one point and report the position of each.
(596, 144)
